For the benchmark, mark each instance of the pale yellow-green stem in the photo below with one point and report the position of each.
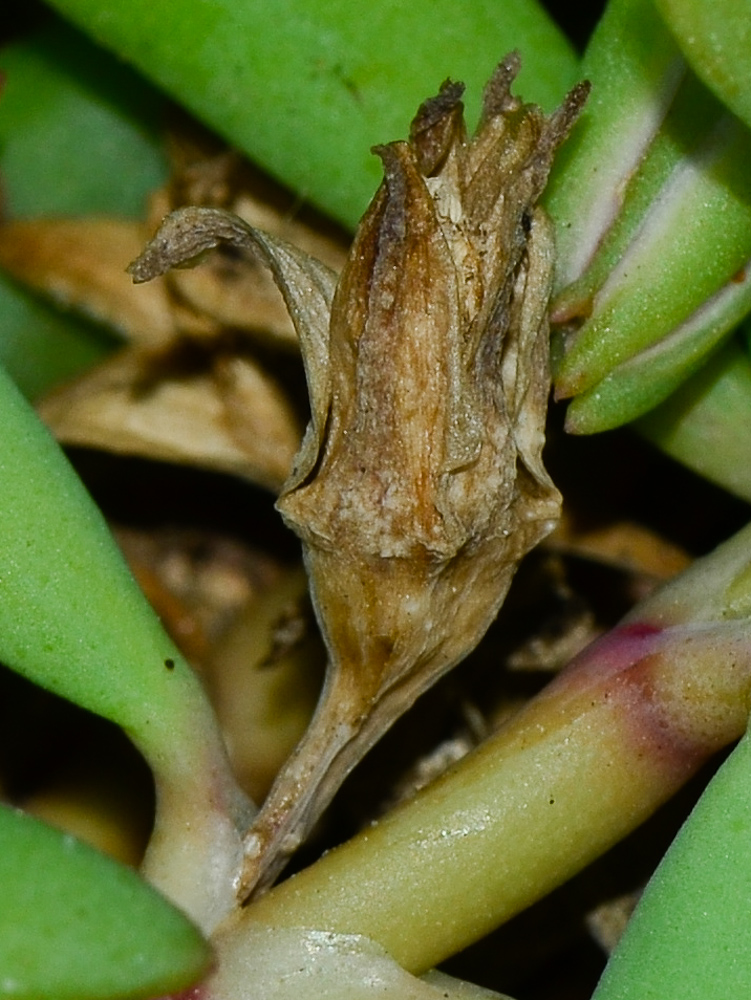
(587, 761)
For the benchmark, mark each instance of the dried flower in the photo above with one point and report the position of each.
(420, 484)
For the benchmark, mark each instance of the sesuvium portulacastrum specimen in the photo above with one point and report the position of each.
(419, 485)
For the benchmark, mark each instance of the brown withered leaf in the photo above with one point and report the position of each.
(205, 173)
(226, 412)
(626, 545)
(80, 263)
(230, 416)
(420, 484)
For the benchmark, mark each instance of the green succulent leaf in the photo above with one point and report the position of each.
(652, 375)
(654, 270)
(716, 40)
(306, 89)
(692, 111)
(76, 925)
(79, 131)
(635, 67)
(40, 345)
(71, 616)
(695, 239)
(706, 423)
(688, 939)
(78, 134)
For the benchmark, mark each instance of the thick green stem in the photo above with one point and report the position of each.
(580, 767)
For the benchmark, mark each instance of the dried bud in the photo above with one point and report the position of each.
(426, 484)
(420, 483)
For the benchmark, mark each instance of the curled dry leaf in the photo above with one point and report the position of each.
(211, 176)
(235, 291)
(419, 484)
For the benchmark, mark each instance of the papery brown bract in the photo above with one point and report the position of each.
(220, 410)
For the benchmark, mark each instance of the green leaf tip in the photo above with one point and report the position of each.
(76, 925)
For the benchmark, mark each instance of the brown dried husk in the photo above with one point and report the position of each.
(420, 484)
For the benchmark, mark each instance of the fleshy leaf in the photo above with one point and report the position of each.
(695, 239)
(77, 134)
(645, 380)
(352, 74)
(71, 616)
(73, 620)
(716, 40)
(41, 346)
(706, 424)
(78, 129)
(688, 938)
(75, 925)
(652, 204)
(635, 68)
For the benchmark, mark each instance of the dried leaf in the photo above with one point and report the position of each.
(217, 408)
(199, 582)
(81, 264)
(230, 416)
(623, 544)
(420, 484)
(237, 291)
(607, 922)
(208, 175)
(237, 294)
(306, 284)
